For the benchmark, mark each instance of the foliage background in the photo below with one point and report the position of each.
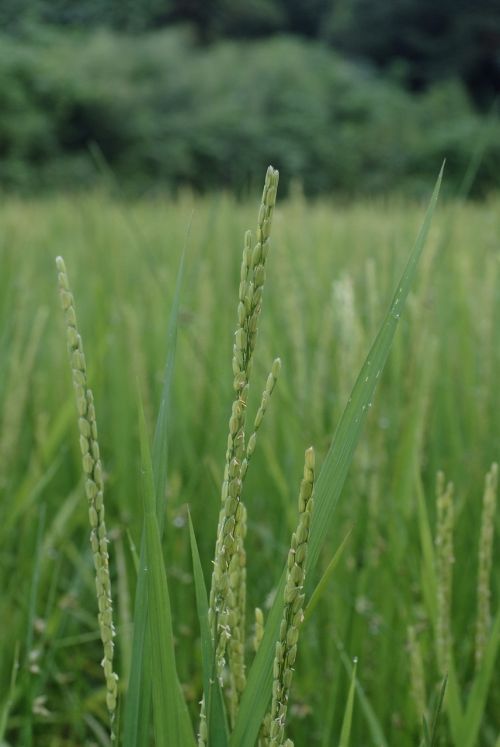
(343, 96)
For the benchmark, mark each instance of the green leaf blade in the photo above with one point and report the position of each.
(377, 735)
(170, 715)
(476, 703)
(335, 467)
(322, 585)
(138, 701)
(345, 734)
(218, 734)
(159, 451)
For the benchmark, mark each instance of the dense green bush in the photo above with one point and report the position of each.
(418, 41)
(160, 111)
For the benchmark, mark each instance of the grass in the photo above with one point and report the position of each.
(332, 271)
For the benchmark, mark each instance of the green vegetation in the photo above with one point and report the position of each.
(409, 595)
(161, 112)
(412, 40)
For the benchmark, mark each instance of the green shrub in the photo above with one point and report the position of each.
(165, 113)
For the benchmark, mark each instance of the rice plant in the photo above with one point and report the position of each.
(227, 598)
(369, 575)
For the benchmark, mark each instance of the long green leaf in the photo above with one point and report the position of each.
(453, 702)
(160, 443)
(328, 488)
(345, 734)
(426, 741)
(336, 465)
(377, 734)
(218, 734)
(170, 715)
(323, 583)
(138, 702)
(433, 736)
(8, 702)
(480, 688)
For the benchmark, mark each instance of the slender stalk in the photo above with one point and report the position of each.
(417, 678)
(94, 488)
(224, 618)
(445, 560)
(483, 622)
(293, 612)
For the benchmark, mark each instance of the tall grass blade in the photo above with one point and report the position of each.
(479, 692)
(434, 732)
(345, 734)
(170, 715)
(377, 734)
(217, 727)
(9, 697)
(35, 582)
(454, 703)
(334, 471)
(328, 488)
(159, 451)
(323, 583)
(138, 702)
(426, 741)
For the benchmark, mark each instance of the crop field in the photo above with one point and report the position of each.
(414, 596)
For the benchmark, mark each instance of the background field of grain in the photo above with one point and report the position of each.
(331, 273)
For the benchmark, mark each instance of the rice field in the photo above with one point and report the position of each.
(412, 596)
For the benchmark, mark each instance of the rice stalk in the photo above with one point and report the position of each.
(417, 677)
(444, 568)
(94, 487)
(225, 617)
(227, 603)
(236, 643)
(293, 611)
(483, 621)
(237, 569)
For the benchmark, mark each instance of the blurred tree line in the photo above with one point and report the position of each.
(351, 95)
(417, 41)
